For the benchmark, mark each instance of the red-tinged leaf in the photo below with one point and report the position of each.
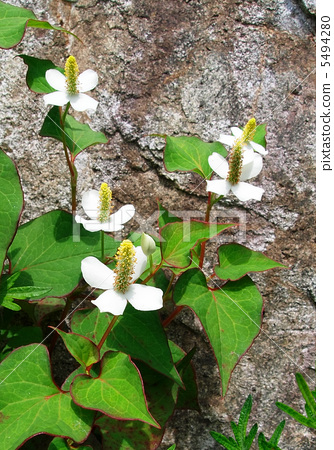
(231, 316)
(30, 402)
(179, 238)
(117, 392)
(80, 347)
(235, 261)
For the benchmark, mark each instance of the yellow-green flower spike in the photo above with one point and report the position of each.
(235, 161)
(125, 266)
(105, 205)
(71, 74)
(249, 131)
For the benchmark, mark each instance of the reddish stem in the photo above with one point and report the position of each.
(176, 311)
(106, 333)
(207, 217)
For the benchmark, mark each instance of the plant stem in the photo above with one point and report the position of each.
(106, 333)
(178, 309)
(152, 274)
(104, 337)
(70, 162)
(102, 246)
(207, 217)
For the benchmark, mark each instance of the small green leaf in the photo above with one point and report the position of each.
(231, 316)
(260, 135)
(243, 418)
(307, 421)
(179, 238)
(78, 135)
(47, 252)
(235, 261)
(306, 393)
(228, 443)
(81, 348)
(188, 153)
(11, 203)
(117, 392)
(36, 80)
(30, 403)
(14, 21)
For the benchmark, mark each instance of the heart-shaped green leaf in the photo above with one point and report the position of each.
(30, 403)
(137, 333)
(179, 238)
(13, 23)
(235, 261)
(117, 392)
(36, 80)
(161, 394)
(47, 252)
(189, 153)
(231, 316)
(80, 347)
(11, 204)
(78, 135)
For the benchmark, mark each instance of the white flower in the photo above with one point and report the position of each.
(91, 203)
(251, 166)
(141, 297)
(236, 134)
(70, 87)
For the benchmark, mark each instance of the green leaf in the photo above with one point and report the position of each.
(48, 252)
(189, 153)
(260, 135)
(231, 316)
(188, 397)
(78, 135)
(243, 419)
(161, 394)
(272, 444)
(179, 238)
(137, 333)
(14, 21)
(306, 393)
(36, 80)
(310, 405)
(166, 216)
(235, 261)
(9, 293)
(307, 421)
(228, 443)
(12, 336)
(117, 392)
(80, 347)
(30, 403)
(11, 203)
(60, 444)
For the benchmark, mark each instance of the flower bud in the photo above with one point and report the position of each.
(147, 244)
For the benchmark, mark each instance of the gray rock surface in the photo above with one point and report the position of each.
(194, 67)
